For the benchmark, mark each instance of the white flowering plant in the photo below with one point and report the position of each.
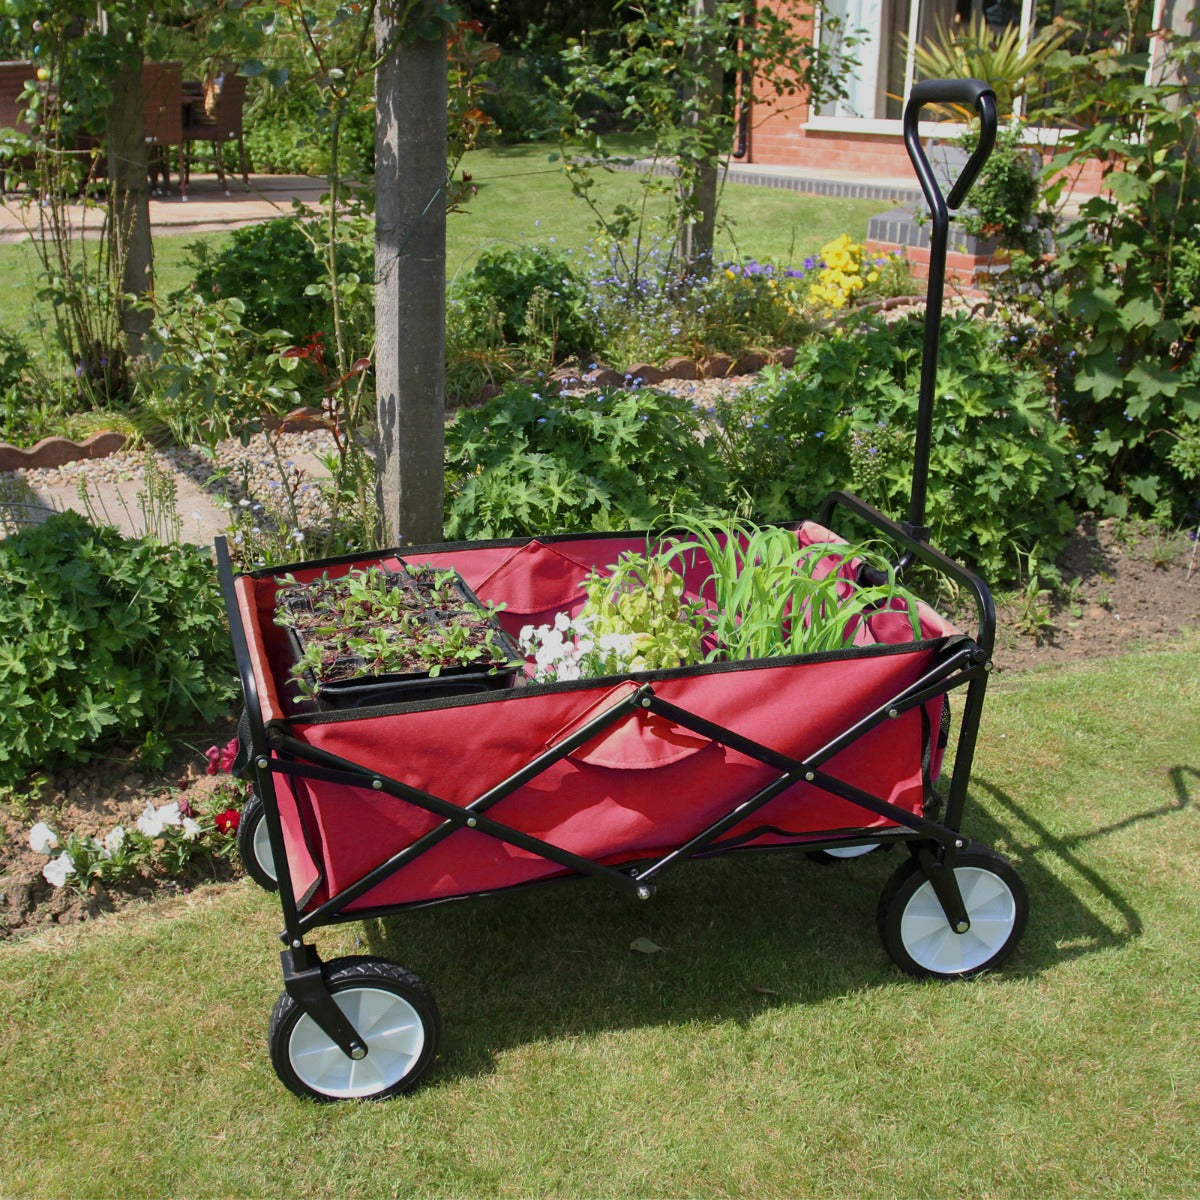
(163, 840)
(636, 618)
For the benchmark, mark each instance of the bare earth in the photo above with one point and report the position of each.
(1134, 590)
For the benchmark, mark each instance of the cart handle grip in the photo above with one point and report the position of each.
(970, 93)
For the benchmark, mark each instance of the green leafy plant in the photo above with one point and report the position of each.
(1000, 462)
(524, 463)
(1114, 317)
(1004, 200)
(104, 639)
(1015, 68)
(531, 297)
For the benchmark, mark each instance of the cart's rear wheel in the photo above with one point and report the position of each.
(840, 854)
(390, 1008)
(917, 935)
(254, 845)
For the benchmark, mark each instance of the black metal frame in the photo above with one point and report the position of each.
(960, 662)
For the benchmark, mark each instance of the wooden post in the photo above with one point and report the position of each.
(410, 278)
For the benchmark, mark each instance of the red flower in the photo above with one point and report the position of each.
(229, 755)
(221, 759)
(228, 821)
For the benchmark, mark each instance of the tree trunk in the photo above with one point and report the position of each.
(129, 200)
(410, 280)
(700, 182)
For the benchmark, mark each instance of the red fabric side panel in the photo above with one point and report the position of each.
(613, 807)
(303, 870)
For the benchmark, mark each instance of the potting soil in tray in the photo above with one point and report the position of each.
(432, 610)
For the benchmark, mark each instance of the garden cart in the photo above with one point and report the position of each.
(422, 790)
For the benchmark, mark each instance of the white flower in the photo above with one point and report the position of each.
(57, 869)
(42, 838)
(115, 840)
(150, 822)
(169, 814)
(191, 829)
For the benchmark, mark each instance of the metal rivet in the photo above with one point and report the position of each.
(960, 844)
(647, 703)
(643, 893)
(893, 712)
(377, 784)
(261, 764)
(810, 776)
(471, 822)
(297, 944)
(962, 927)
(358, 1053)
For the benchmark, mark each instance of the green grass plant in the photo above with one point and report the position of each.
(764, 1046)
(773, 596)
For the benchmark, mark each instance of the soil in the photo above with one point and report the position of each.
(1125, 588)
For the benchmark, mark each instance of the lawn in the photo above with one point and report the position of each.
(768, 1049)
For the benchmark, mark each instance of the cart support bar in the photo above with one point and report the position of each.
(304, 981)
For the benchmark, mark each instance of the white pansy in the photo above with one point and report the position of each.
(191, 829)
(115, 840)
(42, 838)
(57, 869)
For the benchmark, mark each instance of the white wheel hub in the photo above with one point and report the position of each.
(262, 849)
(389, 1025)
(935, 947)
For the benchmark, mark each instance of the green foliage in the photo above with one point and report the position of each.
(1015, 67)
(206, 376)
(103, 639)
(1117, 310)
(268, 268)
(845, 413)
(1004, 199)
(529, 295)
(772, 596)
(524, 464)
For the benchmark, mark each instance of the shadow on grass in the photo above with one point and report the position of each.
(728, 938)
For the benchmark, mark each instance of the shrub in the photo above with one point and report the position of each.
(523, 464)
(276, 272)
(103, 639)
(533, 294)
(845, 415)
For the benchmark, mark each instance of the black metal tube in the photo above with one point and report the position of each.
(939, 91)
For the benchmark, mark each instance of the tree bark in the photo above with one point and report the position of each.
(129, 199)
(410, 280)
(699, 199)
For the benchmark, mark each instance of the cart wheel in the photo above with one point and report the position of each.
(254, 845)
(393, 1012)
(917, 935)
(840, 854)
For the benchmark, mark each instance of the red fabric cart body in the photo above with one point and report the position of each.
(634, 792)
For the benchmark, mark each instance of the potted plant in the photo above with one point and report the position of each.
(375, 636)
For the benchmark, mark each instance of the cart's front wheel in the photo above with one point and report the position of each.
(390, 1008)
(254, 846)
(917, 935)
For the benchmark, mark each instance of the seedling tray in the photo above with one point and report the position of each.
(359, 688)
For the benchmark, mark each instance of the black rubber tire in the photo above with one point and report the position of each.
(256, 857)
(909, 913)
(391, 1009)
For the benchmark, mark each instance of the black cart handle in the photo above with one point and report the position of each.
(978, 95)
(970, 93)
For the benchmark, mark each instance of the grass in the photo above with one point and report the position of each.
(768, 1050)
(523, 197)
